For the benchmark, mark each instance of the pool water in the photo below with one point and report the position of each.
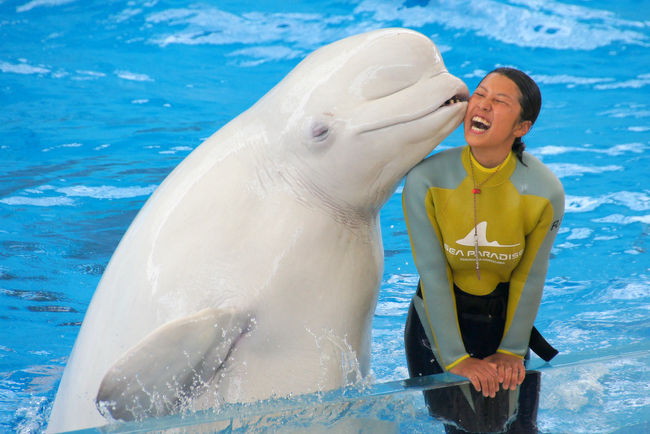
(101, 100)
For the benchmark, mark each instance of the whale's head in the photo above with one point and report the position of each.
(356, 115)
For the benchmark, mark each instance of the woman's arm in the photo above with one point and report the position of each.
(527, 279)
(435, 275)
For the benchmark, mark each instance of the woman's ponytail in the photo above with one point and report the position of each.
(518, 148)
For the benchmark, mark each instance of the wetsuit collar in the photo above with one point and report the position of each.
(505, 169)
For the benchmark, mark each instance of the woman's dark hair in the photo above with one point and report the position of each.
(530, 101)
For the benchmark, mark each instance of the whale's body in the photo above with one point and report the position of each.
(253, 270)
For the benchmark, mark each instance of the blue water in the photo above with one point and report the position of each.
(101, 100)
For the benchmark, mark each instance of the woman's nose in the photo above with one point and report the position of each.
(484, 104)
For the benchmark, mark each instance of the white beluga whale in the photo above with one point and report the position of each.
(253, 270)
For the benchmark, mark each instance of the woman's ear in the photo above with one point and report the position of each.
(523, 128)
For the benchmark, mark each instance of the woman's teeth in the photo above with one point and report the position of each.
(479, 124)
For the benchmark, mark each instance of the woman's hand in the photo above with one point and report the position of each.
(511, 369)
(482, 373)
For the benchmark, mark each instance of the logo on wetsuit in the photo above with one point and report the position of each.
(479, 233)
(555, 225)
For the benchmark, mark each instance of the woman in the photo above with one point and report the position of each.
(482, 219)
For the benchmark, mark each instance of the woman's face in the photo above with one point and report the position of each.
(492, 117)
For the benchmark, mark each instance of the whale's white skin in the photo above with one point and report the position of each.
(253, 270)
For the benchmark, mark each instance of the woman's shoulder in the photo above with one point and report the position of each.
(438, 167)
(445, 156)
(537, 177)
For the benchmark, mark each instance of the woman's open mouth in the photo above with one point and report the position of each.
(480, 125)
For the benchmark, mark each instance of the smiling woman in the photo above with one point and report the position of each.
(474, 308)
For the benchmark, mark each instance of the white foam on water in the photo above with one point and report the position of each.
(39, 3)
(566, 245)
(622, 314)
(388, 357)
(572, 338)
(637, 83)
(635, 201)
(574, 11)
(22, 68)
(88, 75)
(523, 23)
(569, 80)
(211, 25)
(579, 234)
(40, 189)
(393, 308)
(60, 73)
(477, 73)
(107, 191)
(403, 280)
(65, 145)
(551, 150)
(38, 201)
(627, 110)
(176, 149)
(581, 203)
(126, 14)
(633, 291)
(575, 393)
(263, 54)
(613, 151)
(37, 196)
(132, 76)
(563, 170)
(606, 237)
(31, 415)
(623, 219)
(595, 397)
(173, 16)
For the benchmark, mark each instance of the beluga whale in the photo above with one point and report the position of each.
(253, 270)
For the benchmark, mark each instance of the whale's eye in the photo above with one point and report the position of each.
(320, 131)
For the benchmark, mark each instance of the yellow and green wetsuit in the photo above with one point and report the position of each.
(518, 213)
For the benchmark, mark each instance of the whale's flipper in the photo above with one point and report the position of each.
(169, 366)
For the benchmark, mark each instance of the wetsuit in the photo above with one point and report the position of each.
(518, 213)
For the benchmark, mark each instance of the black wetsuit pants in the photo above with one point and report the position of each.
(482, 321)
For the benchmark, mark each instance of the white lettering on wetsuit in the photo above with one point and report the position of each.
(468, 254)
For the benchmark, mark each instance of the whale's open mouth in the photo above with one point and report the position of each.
(455, 99)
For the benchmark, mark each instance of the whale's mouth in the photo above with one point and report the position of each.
(456, 99)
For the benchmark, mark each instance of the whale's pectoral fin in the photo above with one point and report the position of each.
(173, 363)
